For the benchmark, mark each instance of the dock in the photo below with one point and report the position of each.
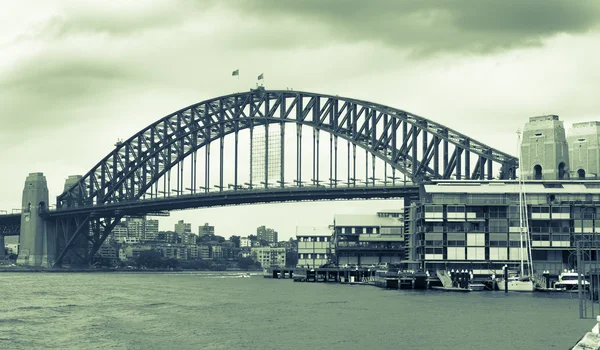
(399, 280)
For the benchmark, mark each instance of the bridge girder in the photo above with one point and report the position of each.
(406, 142)
(130, 170)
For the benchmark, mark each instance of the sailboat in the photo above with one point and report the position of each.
(524, 282)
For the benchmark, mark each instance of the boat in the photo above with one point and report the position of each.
(477, 287)
(519, 284)
(523, 282)
(568, 281)
(245, 275)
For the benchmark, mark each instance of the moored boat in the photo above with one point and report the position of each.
(568, 280)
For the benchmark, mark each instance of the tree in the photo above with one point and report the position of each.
(247, 263)
(149, 259)
(236, 240)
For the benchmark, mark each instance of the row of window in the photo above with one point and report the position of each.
(312, 256)
(314, 239)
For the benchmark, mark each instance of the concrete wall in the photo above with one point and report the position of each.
(584, 149)
(544, 145)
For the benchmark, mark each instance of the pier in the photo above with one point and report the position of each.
(442, 280)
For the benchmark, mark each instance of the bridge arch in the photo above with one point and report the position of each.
(417, 147)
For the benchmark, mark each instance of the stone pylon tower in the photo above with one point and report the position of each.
(544, 149)
(37, 245)
(584, 150)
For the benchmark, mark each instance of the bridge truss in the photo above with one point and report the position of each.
(351, 144)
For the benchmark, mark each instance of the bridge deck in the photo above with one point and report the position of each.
(226, 198)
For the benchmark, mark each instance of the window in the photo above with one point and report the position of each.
(498, 212)
(498, 225)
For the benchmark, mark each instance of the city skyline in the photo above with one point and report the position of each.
(87, 75)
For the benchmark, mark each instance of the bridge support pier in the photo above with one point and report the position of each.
(37, 245)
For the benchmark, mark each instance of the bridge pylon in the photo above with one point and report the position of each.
(37, 239)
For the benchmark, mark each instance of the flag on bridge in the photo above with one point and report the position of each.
(235, 72)
(261, 76)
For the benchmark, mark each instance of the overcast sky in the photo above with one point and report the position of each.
(75, 76)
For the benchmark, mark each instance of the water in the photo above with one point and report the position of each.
(211, 311)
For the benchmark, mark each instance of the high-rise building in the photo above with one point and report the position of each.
(205, 230)
(135, 227)
(267, 234)
(150, 230)
(182, 227)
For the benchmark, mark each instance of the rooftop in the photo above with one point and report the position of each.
(354, 220)
(313, 231)
(502, 187)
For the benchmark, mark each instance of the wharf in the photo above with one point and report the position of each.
(329, 274)
(365, 276)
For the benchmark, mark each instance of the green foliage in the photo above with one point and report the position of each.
(236, 240)
(248, 264)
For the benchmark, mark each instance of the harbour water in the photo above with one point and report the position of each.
(224, 311)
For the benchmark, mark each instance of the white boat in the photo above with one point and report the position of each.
(568, 280)
(518, 284)
(477, 287)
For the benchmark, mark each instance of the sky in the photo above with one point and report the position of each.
(76, 76)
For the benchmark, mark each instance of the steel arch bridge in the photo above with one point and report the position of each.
(142, 173)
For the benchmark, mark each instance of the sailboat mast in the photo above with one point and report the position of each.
(521, 204)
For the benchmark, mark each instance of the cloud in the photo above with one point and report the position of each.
(428, 27)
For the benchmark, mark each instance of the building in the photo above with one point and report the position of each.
(584, 150)
(216, 252)
(269, 257)
(206, 230)
(266, 234)
(182, 227)
(544, 149)
(369, 239)
(204, 252)
(475, 225)
(119, 232)
(314, 246)
(245, 242)
(109, 252)
(150, 230)
(135, 227)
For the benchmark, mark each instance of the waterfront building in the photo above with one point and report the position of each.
(192, 251)
(182, 227)
(109, 252)
(204, 252)
(266, 234)
(216, 252)
(475, 225)
(369, 239)
(269, 257)
(206, 230)
(314, 246)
